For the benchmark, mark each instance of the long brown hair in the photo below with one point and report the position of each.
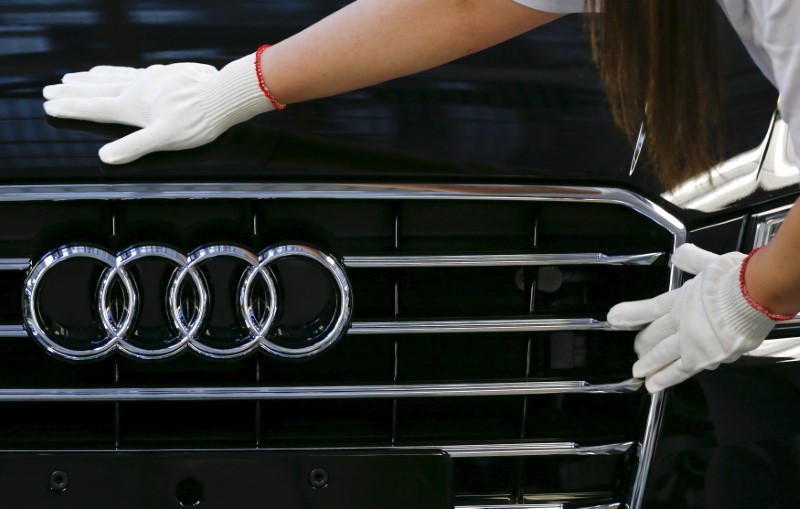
(659, 60)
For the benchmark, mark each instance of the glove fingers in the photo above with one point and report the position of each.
(661, 328)
(96, 78)
(135, 145)
(628, 315)
(103, 109)
(692, 259)
(667, 377)
(83, 91)
(661, 355)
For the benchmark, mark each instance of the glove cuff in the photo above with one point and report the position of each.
(233, 95)
(734, 317)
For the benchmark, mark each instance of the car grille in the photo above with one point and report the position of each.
(478, 328)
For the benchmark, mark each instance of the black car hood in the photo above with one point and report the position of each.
(530, 109)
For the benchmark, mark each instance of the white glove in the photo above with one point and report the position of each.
(705, 322)
(177, 106)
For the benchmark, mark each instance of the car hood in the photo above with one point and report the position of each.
(528, 110)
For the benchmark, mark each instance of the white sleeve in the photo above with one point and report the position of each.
(780, 39)
(565, 6)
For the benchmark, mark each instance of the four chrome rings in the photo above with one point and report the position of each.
(117, 329)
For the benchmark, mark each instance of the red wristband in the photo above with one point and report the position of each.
(755, 305)
(278, 106)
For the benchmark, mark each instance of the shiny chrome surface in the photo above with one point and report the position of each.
(397, 261)
(554, 505)
(749, 178)
(637, 149)
(116, 330)
(655, 417)
(12, 331)
(767, 224)
(344, 304)
(315, 392)
(536, 449)
(15, 264)
(33, 320)
(498, 325)
(782, 349)
(439, 326)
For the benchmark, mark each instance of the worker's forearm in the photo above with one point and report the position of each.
(773, 274)
(371, 41)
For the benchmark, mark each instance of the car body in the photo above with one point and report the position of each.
(484, 216)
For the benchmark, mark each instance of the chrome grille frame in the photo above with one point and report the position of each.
(535, 193)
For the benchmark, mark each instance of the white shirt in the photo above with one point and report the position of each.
(769, 29)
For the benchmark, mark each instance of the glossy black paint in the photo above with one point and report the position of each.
(363, 480)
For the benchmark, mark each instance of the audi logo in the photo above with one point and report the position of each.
(251, 290)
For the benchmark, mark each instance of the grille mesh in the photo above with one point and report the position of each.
(558, 263)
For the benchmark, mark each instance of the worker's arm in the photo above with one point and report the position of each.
(371, 41)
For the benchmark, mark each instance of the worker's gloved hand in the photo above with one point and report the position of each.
(705, 322)
(177, 106)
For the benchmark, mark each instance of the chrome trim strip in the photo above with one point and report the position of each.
(533, 449)
(13, 331)
(435, 326)
(15, 263)
(498, 260)
(767, 222)
(767, 213)
(780, 349)
(554, 505)
(498, 325)
(655, 416)
(314, 392)
(788, 323)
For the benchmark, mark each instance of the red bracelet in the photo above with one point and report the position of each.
(278, 106)
(755, 305)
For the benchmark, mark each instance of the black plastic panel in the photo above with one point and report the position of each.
(51, 425)
(345, 226)
(456, 227)
(223, 480)
(332, 422)
(458, 357)
(187, 424)
(462, 292)
(183, 224)
(585, 418)
(439, 420)
(32, 229)
(486, 480)
(24, 363)
(597, 477)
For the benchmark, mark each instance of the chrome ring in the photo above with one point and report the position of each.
(342, 320)
(30, 299)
